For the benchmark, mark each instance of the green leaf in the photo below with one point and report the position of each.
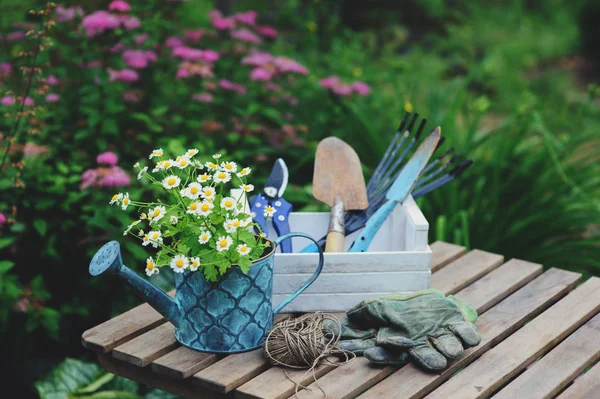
(41, 226)
(158, 394)
(244, 262)
(6, 241)
(150, 124)
(6, 265)
(69, 376)
(210, 272)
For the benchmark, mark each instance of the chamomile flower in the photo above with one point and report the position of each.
(216, 156)
(179, 263)
(244, 172)
(155, 238)
(221, 177)
(208, 193)
(223, 243)
(269, 210)
(191, 152)
(170, 182)
(183, 162)
(205, 208)
(194, 264)
(230, 167)
(157, 213)
(247, 187)
(228, 203)
(151, 267)
(237, 223)
(130, 227)
(136, 165)
(125, 201)
(243, 249)
(146, 239)
(204, 237)
(229, 227)
(204, 177)
(193, 207)
(141, 233)
(142, 172)
(156, 153)
(211, 165)
(192, 191)
(174, 220)
(116, 198)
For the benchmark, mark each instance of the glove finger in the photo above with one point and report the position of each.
(395, 342)
(428, 358)
(348, 330)
(358, 346)
(467, 332)
(448, 345)
(383, 356)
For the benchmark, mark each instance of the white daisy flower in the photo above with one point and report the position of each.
(192, 191)
(247, 187)
(205, 208)
(116, 198)
(243, 249)
(156, 153)
(174, 220)
(166, 164)
(208, 193)
(194, 264)
(183, 162)
(142, 172)
(230, 167)
(155, 238)
(151, 267)
(146, 239)
(211, 165)
(204, 177)
(204, 237)
(191, 152)
(179, 263)
(216, 156)
(193, 207)
(244, 172)
(141, 233)
(170, 182)
(221, 177)
(199, 165)
(228, 203)
(237, 223)
(269, 210)
(223, 243)
(125, 201)
(157, 213)
(131, 226)
(229, 227)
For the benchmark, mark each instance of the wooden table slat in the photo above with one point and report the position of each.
(496, 324)
(586, 386)
(183, 362)
(557, 369)
(509, 357)
(151, 345)
(444, 253)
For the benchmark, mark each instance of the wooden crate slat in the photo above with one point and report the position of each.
(151, 345)
(351, 379)
(444, 253)
(496, 324)
(553, 372)
(183, 362)
(145, 376)
(585, 386)
(465, 270)
(508, 358)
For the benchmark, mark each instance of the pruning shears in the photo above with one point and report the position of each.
(272, 195)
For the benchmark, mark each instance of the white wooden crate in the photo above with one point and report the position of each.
(399, 260)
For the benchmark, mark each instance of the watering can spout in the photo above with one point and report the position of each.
(108, 261)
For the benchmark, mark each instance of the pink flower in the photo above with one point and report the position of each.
(203, 97)
(5, 67)
(139, 58)
(52, 80)
(28, 102)
(267, 31)
(231, 86)
(187, 69)
(210, 55)
(14, 36)
(30, 149)
(88, 178)
(246, 36)
(132, 96)
(67, 14)
(119, 5)
(114, 178)
(248, 17)
(342, 89)
(52, 98)
(261, 74)
(193, 35)
(183, 73)
(361, 88)
(272, 86)
(257, 58)
(107, 158)
(223, 23)
(174, 42)
(2, 219)
(117, 48)
(329, 82)
(215, 14)
(141, 39)
(130, 23)
(285, 64)
(7, 100)
(124, 75)
(99, 21)
(192, 54)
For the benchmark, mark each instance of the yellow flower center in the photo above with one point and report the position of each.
(179, 263)
(228, 166)
(167, 164)
(156, 212)
(223, 243)
(195, 263)
(222, 175)
(146, 238)
(155, 236)
(237, 223)
(204, 237)
(171, 181)
(204, 177)
(114, 198)
(125, 201)
(194, 190)
(228, 203)
(183, 162)
(149, 266)
(212, 165)
(194, 206)
(208, 193)
(205, 207)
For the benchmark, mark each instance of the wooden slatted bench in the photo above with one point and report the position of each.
(540, 339)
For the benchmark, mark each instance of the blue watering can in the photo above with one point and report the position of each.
(231, 315)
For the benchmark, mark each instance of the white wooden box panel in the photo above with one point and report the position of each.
(399, 260)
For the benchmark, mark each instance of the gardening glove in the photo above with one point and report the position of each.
(426, 326)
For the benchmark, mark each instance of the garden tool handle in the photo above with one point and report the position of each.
(308, 282)
(335, 233)
(281, 222)
(364, 239)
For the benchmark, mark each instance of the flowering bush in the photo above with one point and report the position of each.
(208, 229)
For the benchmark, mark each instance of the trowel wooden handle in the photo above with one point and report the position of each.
(335, 242)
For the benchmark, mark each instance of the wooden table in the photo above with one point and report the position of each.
(540, 335)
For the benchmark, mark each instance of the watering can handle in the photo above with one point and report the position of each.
(308, 282)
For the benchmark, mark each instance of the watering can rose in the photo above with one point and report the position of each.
(202, 228)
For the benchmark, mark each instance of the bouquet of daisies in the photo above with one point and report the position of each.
(202, 227)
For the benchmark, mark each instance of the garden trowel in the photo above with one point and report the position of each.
(338, 182)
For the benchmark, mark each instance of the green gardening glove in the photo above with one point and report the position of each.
(426, 326)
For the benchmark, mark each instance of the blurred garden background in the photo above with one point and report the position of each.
(512, 83)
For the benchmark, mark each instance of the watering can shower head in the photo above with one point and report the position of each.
(107, 259)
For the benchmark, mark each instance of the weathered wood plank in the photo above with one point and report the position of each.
(585, 386)
(183, 362)
(496, 324)
(106, 336)
(444, 253)
(354, 378)
(465, 270)
(512, 355)
(557, 369)
(151, 345)
(147, 377)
